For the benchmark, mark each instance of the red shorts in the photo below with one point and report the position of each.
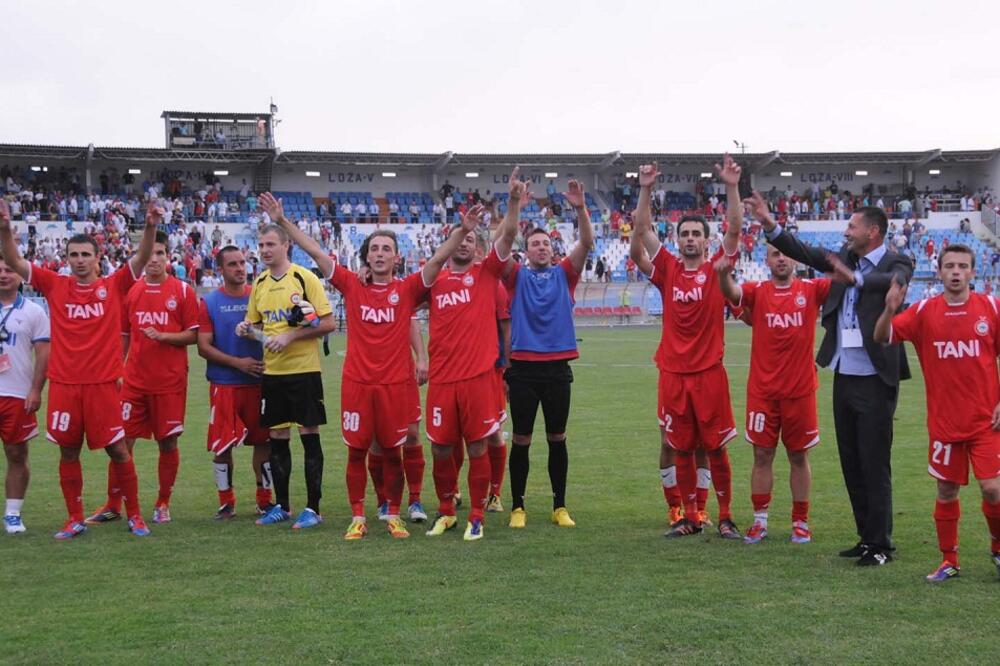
(152, 415)
(382, 412)
(694, 409)
(75, 410)
(950, 462)
(501, 391)
(465, 409)
(234, 418)
(413, 399)
(794, 419)
(16, 425)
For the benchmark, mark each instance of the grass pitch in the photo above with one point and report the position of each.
(612, 590)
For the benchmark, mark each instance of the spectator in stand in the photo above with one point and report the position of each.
(346, 211)
(373, 212)
(360, 212)
(439, 212)
(414, 213)
(929, 247)
(599, 269)
(393, 212)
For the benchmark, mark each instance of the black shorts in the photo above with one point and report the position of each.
(534, 383)
(292, 399)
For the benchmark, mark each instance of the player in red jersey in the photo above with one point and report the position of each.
(957, 338)
(234, 368)
(86, 362)
(694, 407)
(461, 394)
(160, 320)
(378, 367)
(781, 388)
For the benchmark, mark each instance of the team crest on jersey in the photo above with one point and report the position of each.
(171, 303)
(467, 280)
(296, 299)
(393, 298)
(800, 300)
(102, 293)
(700, 278)
(982, 326)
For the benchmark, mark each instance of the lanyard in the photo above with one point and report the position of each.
(3, 322)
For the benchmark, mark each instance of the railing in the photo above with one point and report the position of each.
(989, 218)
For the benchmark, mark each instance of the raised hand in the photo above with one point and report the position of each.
(729, 172)
(154, 213)
(518, 188)
(575, 195)
(473, 218)
(4, 211)
(895, 296)
(274, 208)
(648, 173)
(723, 265)
(840, 272)
(758, 206)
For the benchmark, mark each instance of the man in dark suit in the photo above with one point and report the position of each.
(866, 373)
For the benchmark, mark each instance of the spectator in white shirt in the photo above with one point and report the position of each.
(345, 209)
(393, 212)
(360, 210)
(373, 212)
(414, 212)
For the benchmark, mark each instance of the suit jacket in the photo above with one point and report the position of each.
(889, 361)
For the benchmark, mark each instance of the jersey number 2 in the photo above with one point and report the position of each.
(941, 450)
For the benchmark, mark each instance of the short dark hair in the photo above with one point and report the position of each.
(535, 230)
(694, 218)
(162, 239)
(82, 239)
(220, 257)
(874, 217)
(957, 248)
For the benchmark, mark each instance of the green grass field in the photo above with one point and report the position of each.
(612, 590)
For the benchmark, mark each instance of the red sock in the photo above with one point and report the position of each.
(722, 479)
(130, 486)
(479, 485)
(498, 464)
(800, 511)
(71, 482)
(392, 472)
(992, 513)
(672, 495)
(413, 468)
(114, 489)
(227, 497)
(445, 482)
(687, 479)
(946, 515)
(170, 461)
(458, 458)
(760, 501)
(264, 496)
(704, 481)
(375, 467)
(357, 480)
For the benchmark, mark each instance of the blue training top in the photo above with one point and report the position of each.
(225, 312)
(541, 313)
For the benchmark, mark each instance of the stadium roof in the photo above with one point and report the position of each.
(439, 161)
(213, 115)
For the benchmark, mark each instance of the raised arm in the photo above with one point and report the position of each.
(788, 244)
(276, 211)
(643, 236)
(503, 240)
(154, 215)
(893, 300)
(724, 269)
(8, 246)
(729, 173)
(470, 222)
(577, 199)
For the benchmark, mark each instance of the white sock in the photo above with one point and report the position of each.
(704, 478)
(265, 475)
(14, 507)
(668, 475)
(760, 517)
(221, 475)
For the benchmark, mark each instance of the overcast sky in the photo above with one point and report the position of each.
(514, 76)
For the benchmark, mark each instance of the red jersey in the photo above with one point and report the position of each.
(693, 311)
(784, 332)
(957, 346)
(378, 326)
(86, 324)
(463, 330)
(172, 307)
